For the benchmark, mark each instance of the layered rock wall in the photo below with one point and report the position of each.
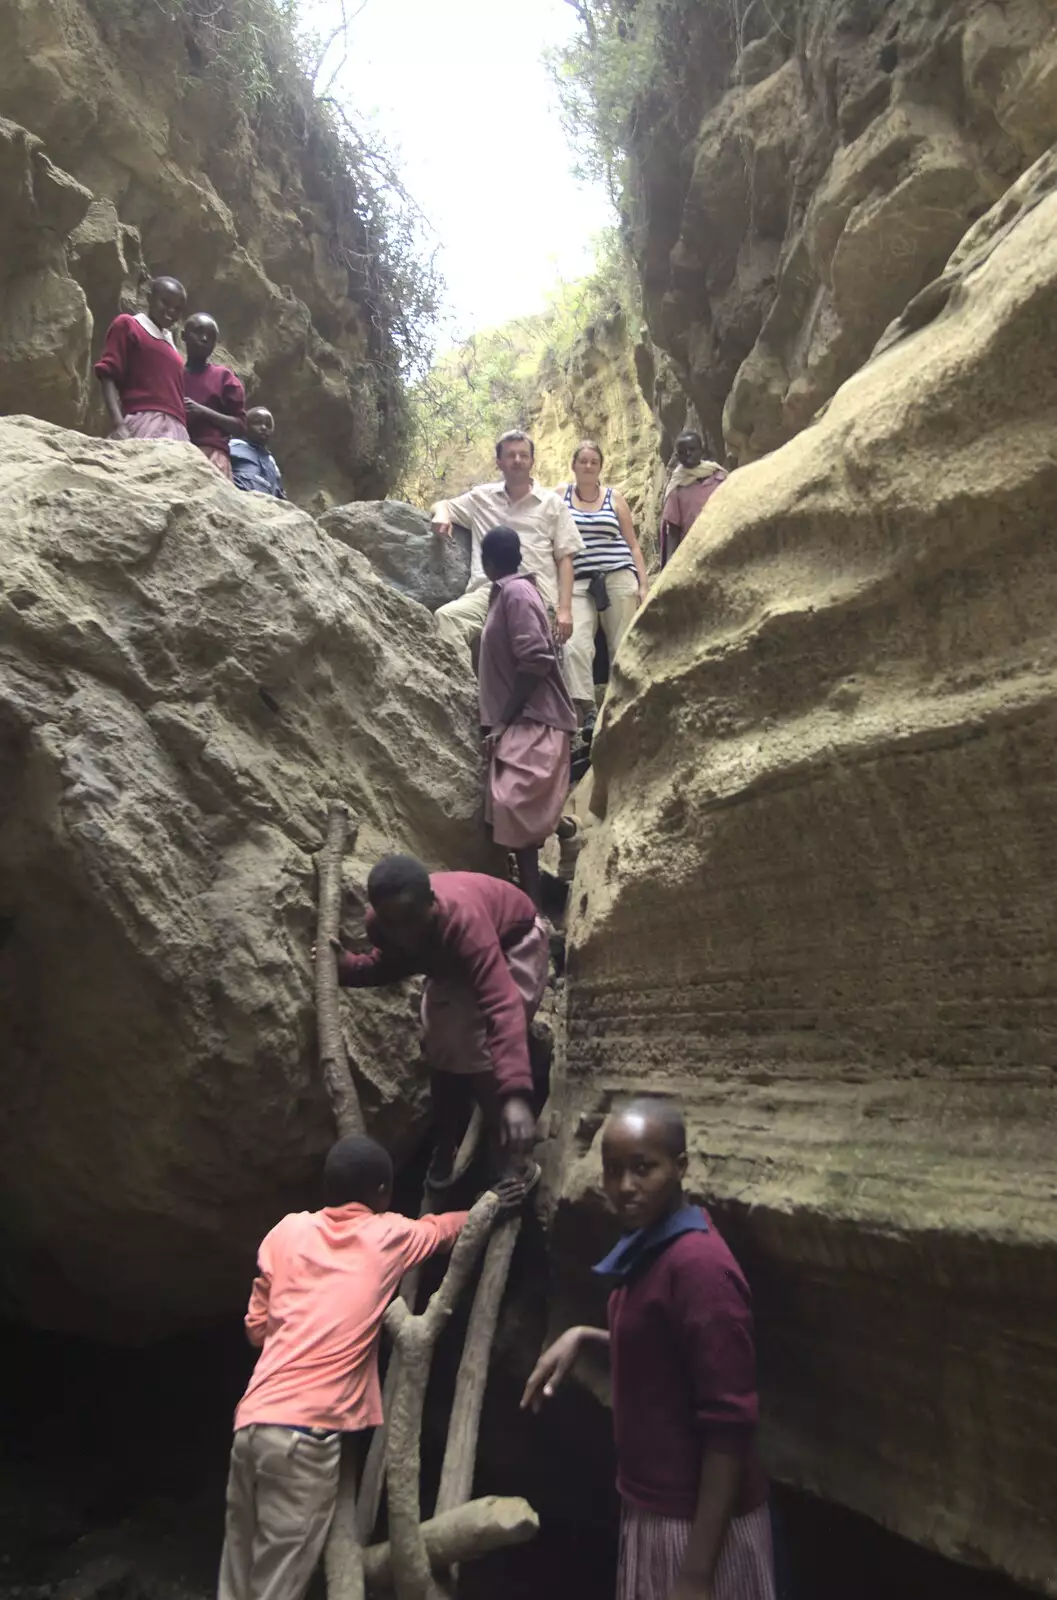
(818, 908)
(599, 392)
(240, 196)
(187, 676)
(793, 182)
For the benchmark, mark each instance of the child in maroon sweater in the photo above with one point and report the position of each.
(142, 372)
(695, 1524)
(215, 399)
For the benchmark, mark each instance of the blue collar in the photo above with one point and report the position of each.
(637, 1249)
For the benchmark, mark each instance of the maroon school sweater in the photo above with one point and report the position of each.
(149, 372)
(480, 918)
(218, 388)
(684, 1375)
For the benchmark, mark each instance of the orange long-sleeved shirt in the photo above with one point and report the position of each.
(325, 1280)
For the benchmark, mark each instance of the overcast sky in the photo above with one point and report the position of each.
(458, 88)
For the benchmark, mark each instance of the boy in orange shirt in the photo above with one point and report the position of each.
(325, 1280)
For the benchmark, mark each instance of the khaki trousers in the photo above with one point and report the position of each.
(461, 620)
(623, 591)
(282, 1486)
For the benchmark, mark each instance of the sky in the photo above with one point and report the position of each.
(459, 92)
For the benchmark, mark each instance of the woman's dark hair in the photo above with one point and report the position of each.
(588, 444)
(501, 548)
(512, 435)
(395, 875)
(355, 1170)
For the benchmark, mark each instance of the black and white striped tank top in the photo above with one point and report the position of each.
(605, 547)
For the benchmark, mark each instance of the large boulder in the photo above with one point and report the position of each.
(818, 906)
(187, 675)
(203, 142)
(397, 541)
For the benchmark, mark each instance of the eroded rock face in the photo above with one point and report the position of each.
(245, 210)
(788, 197)
(600, 393)
(187, 675)
(818, 907)
(397, 540)
(45, 323)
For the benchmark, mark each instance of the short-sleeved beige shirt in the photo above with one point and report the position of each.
(541, 519)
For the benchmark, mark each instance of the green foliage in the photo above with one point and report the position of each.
(490, 382)
(257, 53)
(599, 77)
(625, 52)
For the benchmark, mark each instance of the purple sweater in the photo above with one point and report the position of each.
(517, 638)
(480, 918)
(684, 1375)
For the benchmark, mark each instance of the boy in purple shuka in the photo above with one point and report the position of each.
(695, 1523)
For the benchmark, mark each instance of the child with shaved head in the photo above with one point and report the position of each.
(695, 1523)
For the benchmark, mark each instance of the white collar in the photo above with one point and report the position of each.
(533, 488)
(153, 329)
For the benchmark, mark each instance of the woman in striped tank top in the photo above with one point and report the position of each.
(609, 575)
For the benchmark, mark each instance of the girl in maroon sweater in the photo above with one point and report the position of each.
(215, 398)
(141, 370)
(695, 1524)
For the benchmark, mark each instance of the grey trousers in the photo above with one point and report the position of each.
(282, 1486)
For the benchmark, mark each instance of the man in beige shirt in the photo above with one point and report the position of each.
(544, 524)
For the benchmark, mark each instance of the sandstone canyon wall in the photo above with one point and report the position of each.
(795, 179)
(187, 675)
(126, 150)
(818, 907)
(599, 391)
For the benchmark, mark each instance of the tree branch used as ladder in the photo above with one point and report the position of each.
(343, 1555)
(414, 1338)
(348, 1113)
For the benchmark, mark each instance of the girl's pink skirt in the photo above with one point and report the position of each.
(219, 459)
(527, 784)
(156, 425)
(652, 1549)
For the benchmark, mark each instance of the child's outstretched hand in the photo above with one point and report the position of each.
(335, 945)
(554, 1364)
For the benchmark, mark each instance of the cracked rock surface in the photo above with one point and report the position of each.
(187, 675)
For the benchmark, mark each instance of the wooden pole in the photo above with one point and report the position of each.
(415, 1338)
(374, 1470)
(343, 1555)
(460, 1454)
(475, 1529)
(334, 1063)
